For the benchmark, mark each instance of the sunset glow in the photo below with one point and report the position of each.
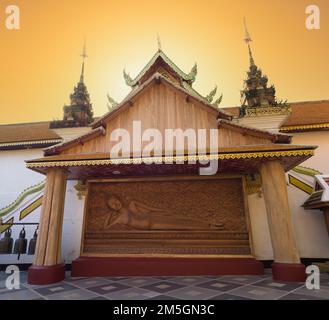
(40, 63)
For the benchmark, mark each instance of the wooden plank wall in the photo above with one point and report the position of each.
(163, 107)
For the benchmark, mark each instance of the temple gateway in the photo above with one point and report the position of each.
(157, 215)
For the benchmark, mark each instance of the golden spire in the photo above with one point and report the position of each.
(248, 39)
(84, 56)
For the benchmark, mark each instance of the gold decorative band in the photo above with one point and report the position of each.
(305, 127)
(28, 143)
(171, 159)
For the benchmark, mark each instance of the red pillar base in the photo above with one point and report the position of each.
(290, 272)
(46, 274)
(144, 266)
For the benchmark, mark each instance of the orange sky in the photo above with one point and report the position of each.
(40, 63)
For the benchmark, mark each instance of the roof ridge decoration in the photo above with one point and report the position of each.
(185, 80)
(218, 100)
(158, 76)
(129, 81)
(210, 96)
(193, 73)
(189, 77)
(111, 103)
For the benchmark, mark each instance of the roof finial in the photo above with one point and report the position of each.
(248, 39)
(159, 43)
(84, 56)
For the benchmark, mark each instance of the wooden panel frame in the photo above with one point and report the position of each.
(168, 178)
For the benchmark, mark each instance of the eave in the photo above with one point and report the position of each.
(246, 159)
(79, 140)
(273, 137)
(28, 144)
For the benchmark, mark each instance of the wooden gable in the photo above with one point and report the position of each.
(160, 105)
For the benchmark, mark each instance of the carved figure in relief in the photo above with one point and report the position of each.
(140, 216)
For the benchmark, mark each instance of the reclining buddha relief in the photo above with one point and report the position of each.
(203, 216)
(166, 205)
(137, 215)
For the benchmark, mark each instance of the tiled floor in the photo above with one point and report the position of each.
(166, 288)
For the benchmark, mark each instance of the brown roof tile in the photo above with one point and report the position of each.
(23, 132)
(308, 113)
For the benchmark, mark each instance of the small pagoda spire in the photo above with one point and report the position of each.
(84, 56)
(257, 97)
(247, 40)
(79, 113)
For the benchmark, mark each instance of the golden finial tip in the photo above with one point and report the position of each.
(84, 50)
(247, 37)
(159, 43)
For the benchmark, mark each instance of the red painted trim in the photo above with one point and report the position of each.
(128, 266)
(290, 272)
(46, 274)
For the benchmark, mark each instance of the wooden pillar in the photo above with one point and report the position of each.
(286, 266)
(47, 266)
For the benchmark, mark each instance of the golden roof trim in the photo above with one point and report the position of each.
(170, 159)
(268, 111)
(305, 127)
(23, 143)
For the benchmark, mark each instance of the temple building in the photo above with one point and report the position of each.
(148, 212)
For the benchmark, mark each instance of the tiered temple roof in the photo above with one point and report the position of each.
(257, 97)
(79, 113)
(162, 64)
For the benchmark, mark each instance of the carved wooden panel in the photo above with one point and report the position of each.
(182, 216)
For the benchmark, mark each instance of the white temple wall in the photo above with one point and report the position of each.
(72, 225)
(309, 225)
(15, 178)
(320, 160)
